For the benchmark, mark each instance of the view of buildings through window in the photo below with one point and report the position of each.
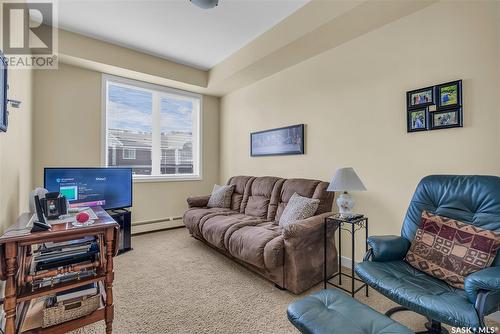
(153, 131)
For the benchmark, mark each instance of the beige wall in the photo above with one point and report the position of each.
(67, 132)
(352, 100)
(16, 150)
(105, 57)
(315, 28)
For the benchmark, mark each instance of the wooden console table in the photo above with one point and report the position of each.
(15, 260)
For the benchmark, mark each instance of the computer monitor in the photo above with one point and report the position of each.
(110, 188)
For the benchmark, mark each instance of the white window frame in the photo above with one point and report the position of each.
(158, 91)
(128, 150)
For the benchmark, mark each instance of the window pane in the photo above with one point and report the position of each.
(152, 129)
(129, 118)
(176, 135)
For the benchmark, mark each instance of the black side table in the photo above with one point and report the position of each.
(351, 226)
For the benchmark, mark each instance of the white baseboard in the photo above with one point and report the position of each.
(347, 263)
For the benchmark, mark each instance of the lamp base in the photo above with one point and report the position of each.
(345, 203)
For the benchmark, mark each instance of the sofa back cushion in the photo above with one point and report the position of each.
(240, 184)
(261, 195)
(307, 188)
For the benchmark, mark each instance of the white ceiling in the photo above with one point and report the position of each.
(176, 29)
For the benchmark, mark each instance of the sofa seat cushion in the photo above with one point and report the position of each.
(213, 228)
(260, 245)
(420, 292)
(331, 311)
(193, 216)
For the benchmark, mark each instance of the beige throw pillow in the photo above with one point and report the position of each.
(298, 208)
(221, 197)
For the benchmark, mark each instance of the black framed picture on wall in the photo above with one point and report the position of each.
(419, 98)
(449, 95)
(417, 120)
(434, 108)
(287, 140)
(450, 118)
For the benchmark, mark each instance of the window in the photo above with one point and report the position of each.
(128, 153)
(152, 129)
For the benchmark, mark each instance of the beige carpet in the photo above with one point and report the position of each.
(172, 283)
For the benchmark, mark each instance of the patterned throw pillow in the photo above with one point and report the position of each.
(450, 249)
(298, 208)
(221, 197)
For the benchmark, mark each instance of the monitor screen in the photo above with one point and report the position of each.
(110, 188)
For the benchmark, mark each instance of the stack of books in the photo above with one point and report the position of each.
(51, 260)
(57, 255)
(73, 295)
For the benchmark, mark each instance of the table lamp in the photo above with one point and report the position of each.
(346, 179)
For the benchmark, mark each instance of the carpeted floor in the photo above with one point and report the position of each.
(172, 283)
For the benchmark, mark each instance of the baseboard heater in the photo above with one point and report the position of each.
(155, 221)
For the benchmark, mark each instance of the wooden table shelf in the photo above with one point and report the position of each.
(15, 259)
(70, 325)
(47, 291)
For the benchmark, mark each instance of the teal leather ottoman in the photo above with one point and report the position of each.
(332, 311)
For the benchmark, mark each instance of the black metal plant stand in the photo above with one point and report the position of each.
(355, 225)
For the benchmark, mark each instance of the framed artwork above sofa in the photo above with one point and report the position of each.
(280, 141)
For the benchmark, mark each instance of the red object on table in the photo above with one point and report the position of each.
(82, 217)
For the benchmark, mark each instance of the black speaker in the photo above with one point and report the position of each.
(124, 218)
(54, 205)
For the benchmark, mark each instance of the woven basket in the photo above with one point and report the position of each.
(65, 311)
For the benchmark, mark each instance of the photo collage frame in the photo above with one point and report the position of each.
(435, 107)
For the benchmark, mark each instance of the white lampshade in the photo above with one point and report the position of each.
(346, 179)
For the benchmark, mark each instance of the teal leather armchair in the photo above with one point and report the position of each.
(471, 199)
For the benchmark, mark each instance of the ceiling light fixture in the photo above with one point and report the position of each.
(205, 4)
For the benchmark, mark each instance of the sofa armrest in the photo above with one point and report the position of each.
(302, 228)
(198, 201)
(304, 253)
(386, 248)
(487, 279)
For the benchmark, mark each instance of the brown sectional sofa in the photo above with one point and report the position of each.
(248, 231)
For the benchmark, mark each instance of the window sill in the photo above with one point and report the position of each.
(169, 178)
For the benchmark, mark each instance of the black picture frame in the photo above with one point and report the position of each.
(410, 120)
(443, 104)
(3, 93)
(410, 98)
(291, 137)
(453, 118)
